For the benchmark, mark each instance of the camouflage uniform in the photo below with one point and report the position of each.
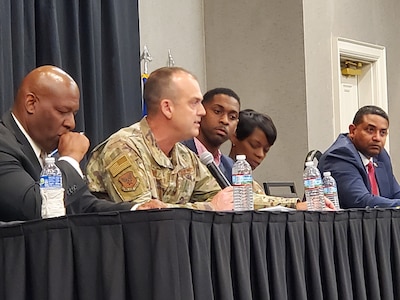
(261, 200)
(129, 166)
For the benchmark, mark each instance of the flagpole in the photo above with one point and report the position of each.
(170, 62)
(146, 57)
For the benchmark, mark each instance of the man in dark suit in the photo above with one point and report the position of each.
(222, 107)
(360, 164)
(41, 120)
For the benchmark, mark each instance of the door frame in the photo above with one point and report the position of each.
(360, 51)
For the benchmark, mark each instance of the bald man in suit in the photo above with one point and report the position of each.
(42, 119)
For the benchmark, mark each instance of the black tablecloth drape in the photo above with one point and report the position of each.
(181, 254)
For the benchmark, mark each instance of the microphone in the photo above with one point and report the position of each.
(207, 159)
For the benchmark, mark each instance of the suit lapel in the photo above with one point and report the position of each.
(26, 148)
(381, 177)
(191, 145)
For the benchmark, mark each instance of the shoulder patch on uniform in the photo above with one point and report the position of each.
(128, 181)
(119, 165)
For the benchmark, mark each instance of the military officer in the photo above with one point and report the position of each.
(145, 164)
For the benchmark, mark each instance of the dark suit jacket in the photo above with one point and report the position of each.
(354, 189)
(226, 162)
(19, 180)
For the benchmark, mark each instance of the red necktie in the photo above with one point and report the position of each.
(372, 179)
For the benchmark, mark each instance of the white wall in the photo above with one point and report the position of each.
(371, 21)
(176, 25)
(256, 48)
(275, 55)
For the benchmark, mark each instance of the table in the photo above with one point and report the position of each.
(181, 254)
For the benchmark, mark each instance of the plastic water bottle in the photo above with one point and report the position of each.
(242, 181)
(51, 190)
(313, 187)
(330, 189)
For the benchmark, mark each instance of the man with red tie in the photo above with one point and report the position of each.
(360, 164)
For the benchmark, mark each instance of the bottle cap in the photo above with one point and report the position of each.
(240, 157)
(327, 173)
(309, 163)
(49, 160)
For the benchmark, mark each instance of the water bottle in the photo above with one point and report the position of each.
(313, 187)
(330, 189)
(51, 190)
(242, 182)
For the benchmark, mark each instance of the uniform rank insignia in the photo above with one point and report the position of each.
(187, 173)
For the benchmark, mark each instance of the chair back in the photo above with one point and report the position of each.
(280, 188)
(312, 155)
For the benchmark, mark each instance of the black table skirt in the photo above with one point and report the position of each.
(181, 254)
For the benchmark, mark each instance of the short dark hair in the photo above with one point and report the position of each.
(158, 86)
(369, 110)
(217, 91)
(249, 120)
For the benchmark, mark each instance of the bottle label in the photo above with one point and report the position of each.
(330, 190)
(49, 182)
(240, 179)
(52, 202)
(312, 183)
